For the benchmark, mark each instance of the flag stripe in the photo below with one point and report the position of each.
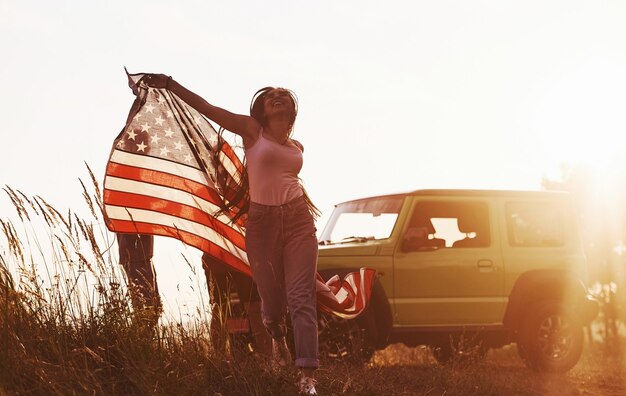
(163, 172)
(351, 295)
(228, 160)
(148, 216)
(153, 179)
(156, 204)
(194, 240)
(163, 165)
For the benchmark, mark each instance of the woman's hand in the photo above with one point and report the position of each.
(157, 80)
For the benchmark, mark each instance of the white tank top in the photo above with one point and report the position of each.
(273, 171)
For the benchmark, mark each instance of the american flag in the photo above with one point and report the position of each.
(161, 179)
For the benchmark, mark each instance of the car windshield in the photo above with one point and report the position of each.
(362, 220)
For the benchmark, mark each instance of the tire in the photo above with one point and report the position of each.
(552, 338)
(350, 340)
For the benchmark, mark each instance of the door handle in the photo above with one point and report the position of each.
(485, 263)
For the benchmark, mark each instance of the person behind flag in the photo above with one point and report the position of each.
(221, 281)
(135, 257)
(280, 236)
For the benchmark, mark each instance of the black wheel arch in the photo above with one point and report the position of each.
(534, 287)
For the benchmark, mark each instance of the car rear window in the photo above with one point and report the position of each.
(535, 224)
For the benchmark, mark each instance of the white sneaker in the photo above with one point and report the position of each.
(307, 386)
(280, 352)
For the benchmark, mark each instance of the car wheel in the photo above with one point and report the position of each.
(346, 339)
(552, 339)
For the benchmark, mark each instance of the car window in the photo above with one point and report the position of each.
(535, 224)
(441, 224)
(372, 218)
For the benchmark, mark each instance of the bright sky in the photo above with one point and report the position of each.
(394, 95)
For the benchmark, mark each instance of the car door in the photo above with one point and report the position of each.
(448, 269)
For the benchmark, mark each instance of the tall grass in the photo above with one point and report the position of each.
(67, 327)
(66, 322)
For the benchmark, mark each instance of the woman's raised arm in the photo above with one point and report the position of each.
(243, 125)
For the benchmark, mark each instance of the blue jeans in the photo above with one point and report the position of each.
(282, 250)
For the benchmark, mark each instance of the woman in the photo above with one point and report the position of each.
(280, 231)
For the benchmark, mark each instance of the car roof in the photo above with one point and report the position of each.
(471, 193)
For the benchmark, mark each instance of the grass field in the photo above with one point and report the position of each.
(412, 372)
(181, 362)
(66, 328)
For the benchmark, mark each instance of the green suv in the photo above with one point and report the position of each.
(462, 271)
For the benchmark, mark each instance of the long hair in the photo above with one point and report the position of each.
(235, 189)
(240, 192)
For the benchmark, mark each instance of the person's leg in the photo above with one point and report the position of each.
(135, 256)
(264, 248)
(263, 240)
(219, 289)
(222, 281)
(300, 262)
(249, 297)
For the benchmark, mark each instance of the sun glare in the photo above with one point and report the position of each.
(578, 120)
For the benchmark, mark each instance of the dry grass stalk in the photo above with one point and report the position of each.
(72, 331)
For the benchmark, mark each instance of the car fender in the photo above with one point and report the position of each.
(562, 286)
